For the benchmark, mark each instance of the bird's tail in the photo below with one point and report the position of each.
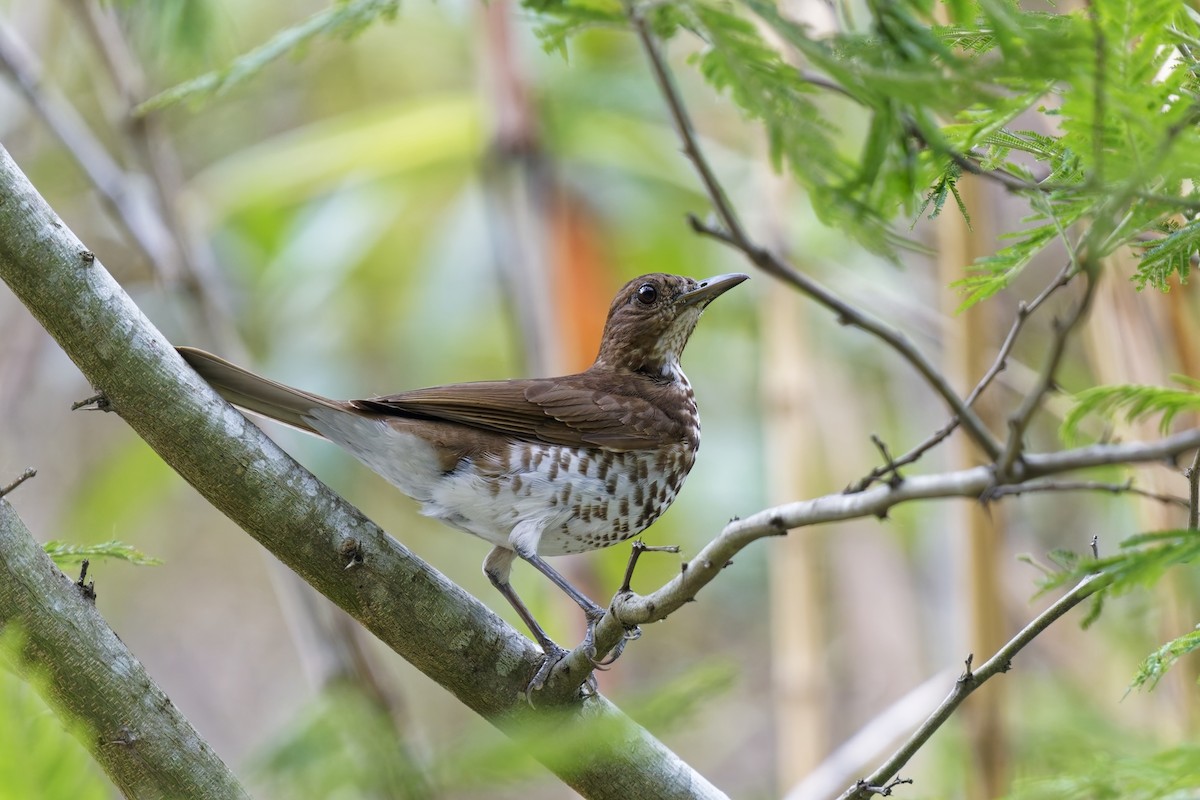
(255, 393)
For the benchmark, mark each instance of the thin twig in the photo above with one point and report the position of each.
(144, 228)
(633, 609)
(972, 680)
(1018, 423)
(191, 263)
(871, 741)
(1081, 486)
(734, 234)
(97, 402)
(999, 364)
(848, 314)
(1193, 477)
(972, 163)
(889, 463)
(24, 476)
(635, 553)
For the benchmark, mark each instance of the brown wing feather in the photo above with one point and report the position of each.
(573, 411)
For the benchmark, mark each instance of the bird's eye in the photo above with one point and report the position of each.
(647, 294)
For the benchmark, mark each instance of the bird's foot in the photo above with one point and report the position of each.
(553, 655)
(589, 641)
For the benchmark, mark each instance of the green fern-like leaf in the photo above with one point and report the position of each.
(993, 274)
(1134, 401)
(1157, 663)
(1140, 561)
(1170, 255)
(1102, 773)
(63, 553)
(561, 20)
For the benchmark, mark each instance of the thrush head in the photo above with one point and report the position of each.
(652, 318)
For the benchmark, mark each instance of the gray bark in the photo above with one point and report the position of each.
(132, 729)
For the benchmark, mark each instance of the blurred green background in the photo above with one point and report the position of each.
(438, 199)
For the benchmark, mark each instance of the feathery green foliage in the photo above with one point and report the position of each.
(1141, 562)
(1134, 400)
(1104, 774)
(63, 553)
(345, 19)
(341, 744)
(1090, 114)
(1157, 663)
(1170, 255)
(40, 752)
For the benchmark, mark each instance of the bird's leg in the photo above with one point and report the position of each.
(592, 612)
(497, 566)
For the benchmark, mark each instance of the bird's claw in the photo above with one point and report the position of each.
(607, 661)
(589, 643)
(553, 655)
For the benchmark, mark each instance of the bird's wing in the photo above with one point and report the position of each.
(572, 411)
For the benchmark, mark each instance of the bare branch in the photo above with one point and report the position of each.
(188, 261)
(24, 476)
(732, 232)
(1084, 486)
(632, 609)
(136, 217)
(876, 737)
(970, 681)
(1193, 477)
(1020, 419)
(1024, 312)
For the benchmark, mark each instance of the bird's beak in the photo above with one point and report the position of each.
(708, 290)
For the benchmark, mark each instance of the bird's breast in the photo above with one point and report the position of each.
(578, 499)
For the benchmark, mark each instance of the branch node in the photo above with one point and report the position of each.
(351, 552)
(97, 402)
(883, 791)
(88, 257)
(125, 738)
(967, 676)
(890, 467)
(88, 590)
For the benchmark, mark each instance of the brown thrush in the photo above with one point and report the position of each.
(536, 466)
